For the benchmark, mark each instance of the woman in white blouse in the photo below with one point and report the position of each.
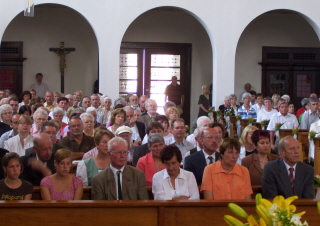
(268, 111)
(174, 183)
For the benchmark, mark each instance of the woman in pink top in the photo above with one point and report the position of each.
(62, 185)
(151, 162)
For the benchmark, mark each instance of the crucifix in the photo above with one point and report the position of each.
(62, 52)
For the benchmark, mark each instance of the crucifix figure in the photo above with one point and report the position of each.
(62, 52)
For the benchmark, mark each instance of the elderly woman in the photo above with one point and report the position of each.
(93, 111)
(266, 112)
(174, 183)
(6, 113)
(62, 185)
(58, 114)
(13, 188)
(233, 107)
(89, 167)
(246, 111)
(107, 110)
(23, 140)
(25, 98)
(39, 117)
(118, 118)
(247, 147)
(286, 97)
(225, 179)
(151, 162)
(261, 156)
(275, 99)
(204, 102)
(172, 113)
(88, 122)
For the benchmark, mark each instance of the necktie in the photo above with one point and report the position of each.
(210, 160)
(119, 186)
(291, 178)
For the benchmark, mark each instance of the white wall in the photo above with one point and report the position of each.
(177, 27)
(47, 29)
(270, 29)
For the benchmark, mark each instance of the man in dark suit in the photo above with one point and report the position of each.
(119, 181)
(49, 128)
(39, 163)
(196, 162)
(287, 176)
(142, 150)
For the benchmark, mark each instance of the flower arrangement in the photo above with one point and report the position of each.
(317, 180)
(263, 123)
(250, 120)
(228, 113)
(312, 135)
(278, 126)
(278, 212)
(187, 128)
(238, 117)
(295, 130)
(218, 113)
(210, 110)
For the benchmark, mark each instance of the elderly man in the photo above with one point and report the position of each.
(119, 181)
(311, 115)
(138, 128)
(142, 150)
(11, 133)
(77, 142)
(70, 100)
(49, 104)
(287, 176)
(178, 132)
(288, 120)
(78, 93)
(4, 101)
(196, 162)
(134, 102)
(39, 163)
(86, 102)
(40, 87)
(142, 101)
(125, 132)
(202, 121)
(151, 106)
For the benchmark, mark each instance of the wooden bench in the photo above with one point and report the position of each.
(157, 213)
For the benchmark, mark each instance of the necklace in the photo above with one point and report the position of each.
(264, 162)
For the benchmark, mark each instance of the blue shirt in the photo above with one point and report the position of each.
(251, 113)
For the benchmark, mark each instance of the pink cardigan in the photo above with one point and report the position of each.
(146, 164)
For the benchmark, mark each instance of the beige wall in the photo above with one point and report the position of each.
(47, 29)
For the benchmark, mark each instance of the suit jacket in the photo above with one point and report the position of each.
(196, 163)
(4, 128)
(133, 185)
(275, 180)
(141, 129)
(139, 151)
(253, 165)
(55, 148)
(32, 176)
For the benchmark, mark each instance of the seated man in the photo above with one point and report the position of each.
(196, 162)
(39, 163)
(77, 142)
(287, 176)
(119, 181)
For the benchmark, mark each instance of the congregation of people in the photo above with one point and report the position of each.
(122, 147)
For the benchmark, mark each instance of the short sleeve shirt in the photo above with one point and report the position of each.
(15, 194)
(174, 93)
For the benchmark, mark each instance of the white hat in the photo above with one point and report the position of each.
(123, 129)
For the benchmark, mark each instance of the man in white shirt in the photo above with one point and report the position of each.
(310, 116)
(40, 87)
(259, 104)
(288, 120)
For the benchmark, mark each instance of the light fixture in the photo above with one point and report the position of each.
(29, 8)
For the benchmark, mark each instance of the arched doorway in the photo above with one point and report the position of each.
(51, 25)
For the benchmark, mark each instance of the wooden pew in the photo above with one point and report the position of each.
(288, 132)
(304, 142)
(317, 156)
(257, 124)
(158, 213)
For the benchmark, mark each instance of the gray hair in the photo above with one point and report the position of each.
(106, 98)
(89, 109)
(75, 96)
(120, 101)
(5, 107)
(197, 131)
(202, 119)
(116, 139)
(168, 104)
(232, 96)
(40, 111)
(285, 96)
(155, 138)
(146, 104)
(304, 101)
(313, 99)
(3, 99)
(246, 95)
(127, 108)
(138, 110)
(86, 114)
(58, 110)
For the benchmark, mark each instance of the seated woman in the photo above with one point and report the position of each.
(172, 113)
(88, 123)
(58, 114)
(90, 167)
(61, 185)
(151, 162)
(117, 119)
(275, 99)
(267, 111)
(225, 179)
(13, 188)
(233, 107)
(174, 183)
(291, 108)
(247, 147)
(246, 111)
(261, 156)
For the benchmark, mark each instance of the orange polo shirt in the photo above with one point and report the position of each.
(235, 185)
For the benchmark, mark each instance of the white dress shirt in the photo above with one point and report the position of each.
(191, 138)
(257, 107)
(265, 115)
(114, 170)
(206, 157)
(290, 121)
(184, 146)
(40, 89)
(185, 185)
(14, 145)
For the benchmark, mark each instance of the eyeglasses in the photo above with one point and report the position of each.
(88, 122)
(120, 152)
(7, 113)
(212, 138)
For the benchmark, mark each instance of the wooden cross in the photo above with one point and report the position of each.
(62, 52)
